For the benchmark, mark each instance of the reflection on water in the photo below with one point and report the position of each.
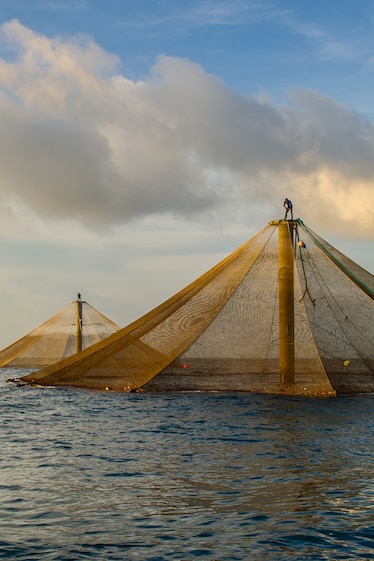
(189, 476)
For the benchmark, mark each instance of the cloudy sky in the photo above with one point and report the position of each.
(144, 140)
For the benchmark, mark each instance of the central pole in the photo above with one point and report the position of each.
(286, 305)
(79, 325)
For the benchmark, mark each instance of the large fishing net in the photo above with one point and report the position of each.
(229, 329)
(76, 327)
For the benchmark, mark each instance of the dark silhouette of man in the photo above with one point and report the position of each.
(289, 207)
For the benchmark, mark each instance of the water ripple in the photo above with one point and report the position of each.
(85, 475)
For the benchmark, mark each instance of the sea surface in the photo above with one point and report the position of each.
(190, 476)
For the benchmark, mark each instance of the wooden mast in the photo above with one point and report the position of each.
(286, 304)
(79, 325)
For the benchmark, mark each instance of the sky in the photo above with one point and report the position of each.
(142, 141)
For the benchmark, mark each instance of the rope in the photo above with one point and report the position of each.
(324, 286)
(306, 290)
(341, 266)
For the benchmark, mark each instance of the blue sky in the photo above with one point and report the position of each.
(142, 141)
(272, 45)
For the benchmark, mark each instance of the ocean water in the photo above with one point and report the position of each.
(191, 476)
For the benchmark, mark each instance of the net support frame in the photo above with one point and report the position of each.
(286, 305)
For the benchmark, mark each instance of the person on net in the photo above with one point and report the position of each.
(289, 207)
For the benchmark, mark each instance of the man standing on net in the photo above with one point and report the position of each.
(289, 207)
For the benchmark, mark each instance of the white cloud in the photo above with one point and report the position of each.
(85, 143)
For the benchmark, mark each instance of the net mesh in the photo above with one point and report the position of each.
(338, 296)
(239, 350)
(221, 332)
(76, 327)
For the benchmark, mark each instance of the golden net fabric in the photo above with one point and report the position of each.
(239, 349)
(338, 296)
(135, 354)
(222, 331)
(59, 337)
